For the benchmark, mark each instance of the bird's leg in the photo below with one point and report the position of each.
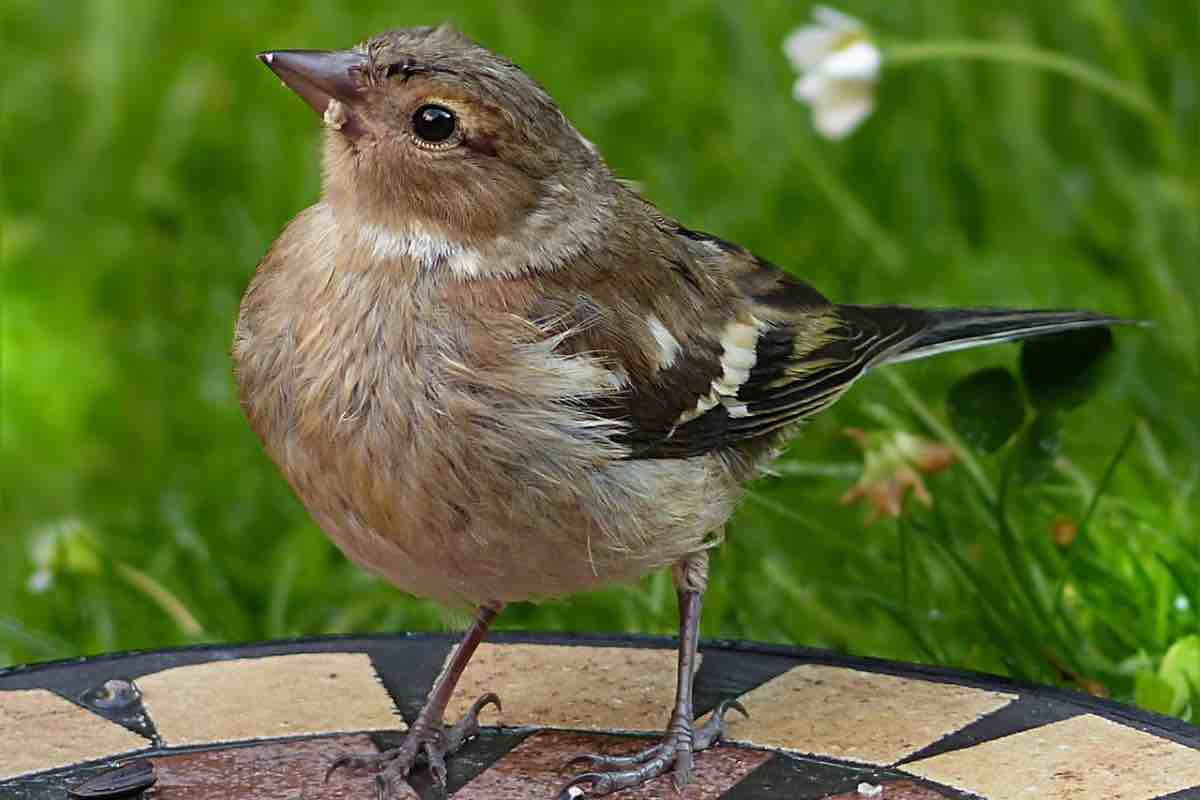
(429, 739)
(680, 740)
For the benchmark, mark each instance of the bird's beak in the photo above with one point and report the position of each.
(318, 76)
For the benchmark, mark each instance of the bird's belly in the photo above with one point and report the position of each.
(513, 541)
(455, 568)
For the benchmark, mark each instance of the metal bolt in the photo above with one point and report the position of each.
(115, 693)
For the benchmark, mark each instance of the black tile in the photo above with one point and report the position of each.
(479, 754)
(408, 668)
(1186, 794)
(793, 778)
(1024, 713)
(724, 675)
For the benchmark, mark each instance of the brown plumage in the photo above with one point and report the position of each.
(492, 372)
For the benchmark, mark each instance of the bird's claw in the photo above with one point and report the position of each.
(423, 744)
(572, 791)
(454, 735)
(436, 760)
(393, 787)
(485, 700)
(613, 762)
(714, 728)
(355, 761)
(674, 752)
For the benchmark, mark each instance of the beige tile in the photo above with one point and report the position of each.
(40, 730)
(857, 716)
(589, 688)
(1082, 757)
(263, 698)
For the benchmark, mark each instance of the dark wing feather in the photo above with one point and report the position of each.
(805, 354)
(805, 359)
(715, 397)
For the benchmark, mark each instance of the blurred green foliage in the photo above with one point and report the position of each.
(148, 160)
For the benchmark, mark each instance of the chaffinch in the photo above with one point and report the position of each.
(493, 372)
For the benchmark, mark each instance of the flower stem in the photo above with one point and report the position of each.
(1122, 93)
(169, 603)
(1074, 554)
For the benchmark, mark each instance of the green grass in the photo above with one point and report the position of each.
(148, 160)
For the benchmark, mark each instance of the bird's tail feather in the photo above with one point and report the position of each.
(945, 330)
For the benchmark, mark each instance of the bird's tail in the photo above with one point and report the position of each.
(918, 333)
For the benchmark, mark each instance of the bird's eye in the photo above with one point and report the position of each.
(433, 124)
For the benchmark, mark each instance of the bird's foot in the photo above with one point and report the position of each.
(614, 773)
(427, 744)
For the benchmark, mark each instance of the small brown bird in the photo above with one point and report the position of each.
(493, 372)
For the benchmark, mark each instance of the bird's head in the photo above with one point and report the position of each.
(435, 144)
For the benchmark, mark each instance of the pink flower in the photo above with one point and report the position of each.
(893, 462)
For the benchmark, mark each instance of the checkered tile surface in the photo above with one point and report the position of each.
(264, 721)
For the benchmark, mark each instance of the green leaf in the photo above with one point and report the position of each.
(986, 408)
(1064, 370)
(1153, 693)
(1180, 669)
(1039, 446)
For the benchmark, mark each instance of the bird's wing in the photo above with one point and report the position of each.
(780, 355)
(721, 351)
(734, 371)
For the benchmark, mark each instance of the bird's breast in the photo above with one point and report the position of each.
(452, 455)
(340, 382)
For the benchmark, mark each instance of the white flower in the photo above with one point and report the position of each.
(39, 581)
(838, 66)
